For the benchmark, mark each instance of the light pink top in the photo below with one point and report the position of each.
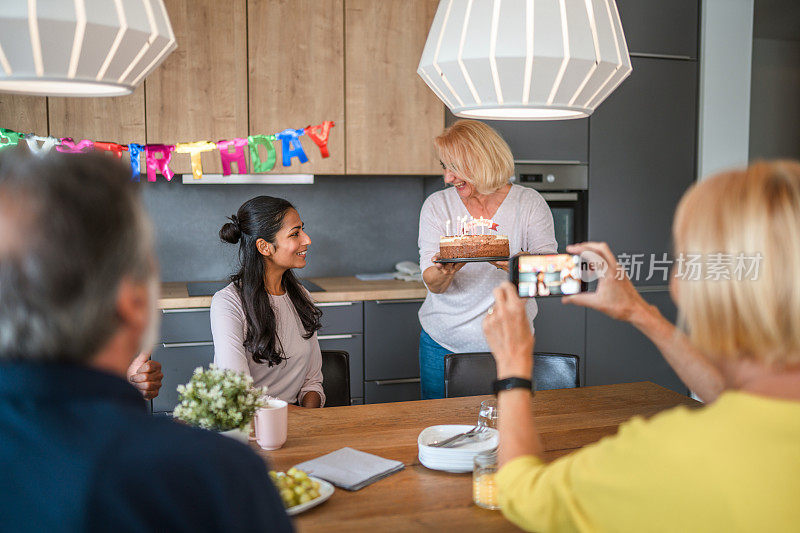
(289, 380)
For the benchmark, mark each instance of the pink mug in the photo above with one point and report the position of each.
(271, 422)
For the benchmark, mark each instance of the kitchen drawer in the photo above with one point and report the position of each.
(186, 325)
(400, 390)
(178, 364)
(341, 317)
(391, 339)
(353, 344)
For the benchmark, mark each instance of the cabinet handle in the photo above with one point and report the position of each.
(653, 288)
(186, 344)
(548, 161)
(396, 381)
(334, 304)
(187, 310)
(559, 196)
(661, 56)
(332, 337)
(412, 301)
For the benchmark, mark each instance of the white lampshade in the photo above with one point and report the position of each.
(81, 47)
(525, 59)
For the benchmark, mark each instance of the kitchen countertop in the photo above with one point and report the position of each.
(175, 295)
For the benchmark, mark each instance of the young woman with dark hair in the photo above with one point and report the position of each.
(264, 323)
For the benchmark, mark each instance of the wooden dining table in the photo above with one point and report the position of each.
(417, 498)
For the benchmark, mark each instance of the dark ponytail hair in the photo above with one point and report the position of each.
(261, 218)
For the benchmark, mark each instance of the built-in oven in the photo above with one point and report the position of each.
(565, 187)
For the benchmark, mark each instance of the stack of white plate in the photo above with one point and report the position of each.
(459, 458)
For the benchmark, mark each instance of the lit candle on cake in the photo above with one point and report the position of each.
(447, 226)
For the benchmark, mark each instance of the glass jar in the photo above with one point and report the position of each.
(484, 488)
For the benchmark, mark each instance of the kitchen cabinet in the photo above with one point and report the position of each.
(185, 344)
(178, 362)
(342, 329)
(391, 339)
(552, 140)
(88, 118)
(200, 91)
(25, 114)
(399, 390)
(391, 348)
(643, 145)
(658, 27)
(616, 352)
(392, 116)
(296, 75)
(561, 328)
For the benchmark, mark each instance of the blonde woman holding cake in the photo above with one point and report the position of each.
(478, 166)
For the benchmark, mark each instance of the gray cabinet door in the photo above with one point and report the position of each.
(186, 325)
(617, 353)
(561, 328)
(549, 140)
(341, 317)
(178, 364)
(383, 392)
(662, 27)
(552, 140)
(353, 344)
(642, 141)
(391, 339)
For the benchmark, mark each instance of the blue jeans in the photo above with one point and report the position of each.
(431, 367)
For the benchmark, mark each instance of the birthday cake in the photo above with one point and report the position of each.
(457, 246)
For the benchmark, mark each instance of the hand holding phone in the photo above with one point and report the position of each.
(546, 275)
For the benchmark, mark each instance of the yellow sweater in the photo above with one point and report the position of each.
(733, 465)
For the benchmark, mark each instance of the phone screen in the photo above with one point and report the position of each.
(548, 275)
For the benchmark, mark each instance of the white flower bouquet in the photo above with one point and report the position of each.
(219, 399)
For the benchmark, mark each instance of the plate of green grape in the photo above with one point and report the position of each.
(299, 491)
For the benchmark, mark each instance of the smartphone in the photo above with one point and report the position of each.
(546, 275)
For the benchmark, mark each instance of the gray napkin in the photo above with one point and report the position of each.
(350, 469)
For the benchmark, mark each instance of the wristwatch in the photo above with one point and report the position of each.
(512, 383)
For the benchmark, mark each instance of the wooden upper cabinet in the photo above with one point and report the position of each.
(392, 116)
(25, 114)
(200, 92)
(119, 119)
(296, 72)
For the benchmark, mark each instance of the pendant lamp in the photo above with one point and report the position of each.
(81, 47)
(525, 59)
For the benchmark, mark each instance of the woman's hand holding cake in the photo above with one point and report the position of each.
(439, 278)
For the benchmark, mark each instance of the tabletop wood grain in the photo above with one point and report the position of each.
(420, 499)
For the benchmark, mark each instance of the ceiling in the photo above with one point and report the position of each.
(777, 19)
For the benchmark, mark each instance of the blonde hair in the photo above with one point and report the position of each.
(476, 154)
(744, 213)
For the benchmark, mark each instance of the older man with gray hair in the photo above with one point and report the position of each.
(78, 291)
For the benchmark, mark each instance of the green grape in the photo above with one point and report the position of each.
(294, 486)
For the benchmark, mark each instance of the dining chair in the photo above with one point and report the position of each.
(471, 374)
(336, 377)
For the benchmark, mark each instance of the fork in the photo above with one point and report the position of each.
(449, 441)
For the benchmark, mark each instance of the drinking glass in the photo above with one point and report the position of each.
(487, 416)
(484, 486)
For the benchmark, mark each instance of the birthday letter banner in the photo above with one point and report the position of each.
(158, 156)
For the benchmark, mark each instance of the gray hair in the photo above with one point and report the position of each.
(72, 227)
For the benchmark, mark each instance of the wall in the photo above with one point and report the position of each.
(725, 47)
(775, 103)
(356, 224)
